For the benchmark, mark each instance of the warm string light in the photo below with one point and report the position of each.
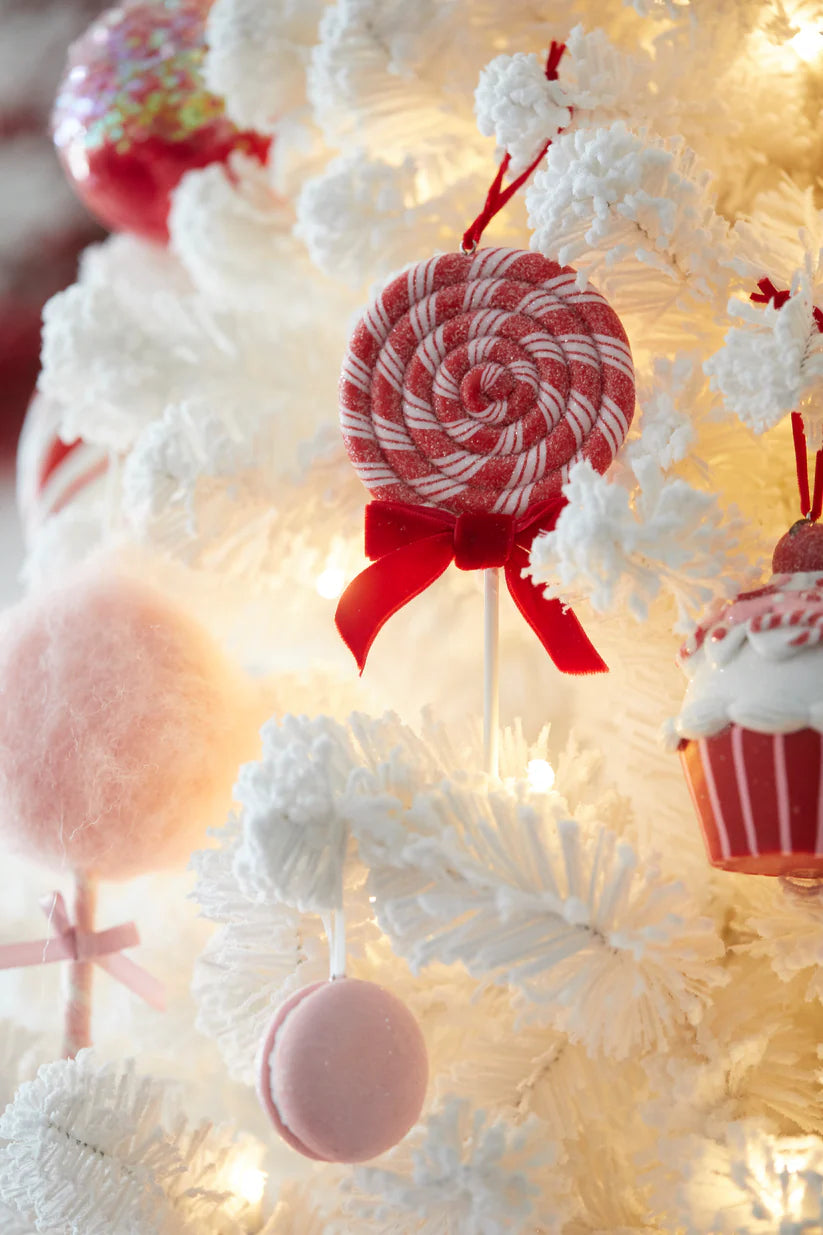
(540, 775)
(808, 42)
(779, 1177)
(246, 1180)
(784, 54)
(330, 582)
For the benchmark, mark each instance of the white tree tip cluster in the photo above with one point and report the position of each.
(333, 212)
(616, 547)
(258, 56)
(517, 105)
(469, 1172)
(613, 195)
(772, 363)
(84, 1147)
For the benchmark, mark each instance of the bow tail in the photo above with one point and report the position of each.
(383, 588)
(556, 627)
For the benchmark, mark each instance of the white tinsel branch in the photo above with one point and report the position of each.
(97, 1149)
(517, 892)
(614, 546)
(465, 1171)
(611, 197)
(773, 362)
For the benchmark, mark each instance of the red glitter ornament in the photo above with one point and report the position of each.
(133, 113)
(800, 549)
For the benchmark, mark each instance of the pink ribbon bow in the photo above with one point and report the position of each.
(103, 948)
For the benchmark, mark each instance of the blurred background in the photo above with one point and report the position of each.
(43, 227)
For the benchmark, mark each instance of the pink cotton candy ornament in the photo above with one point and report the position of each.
(343, 1071)
(121, 727)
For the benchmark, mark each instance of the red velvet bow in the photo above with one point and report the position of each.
(411, 546)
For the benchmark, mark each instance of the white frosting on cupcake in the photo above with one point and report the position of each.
(757, 662)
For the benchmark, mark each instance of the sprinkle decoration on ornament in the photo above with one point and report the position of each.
(343, 1071)
(133, 113)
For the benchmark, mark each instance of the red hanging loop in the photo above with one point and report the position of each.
(497, 197)
(768, 294)
(799, 437)
(817, 495)
(811, 505)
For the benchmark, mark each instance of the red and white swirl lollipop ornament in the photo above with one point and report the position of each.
(343, 1067)
(472, 385)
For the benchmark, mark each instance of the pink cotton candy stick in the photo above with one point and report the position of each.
(80, 974)
(121, 729)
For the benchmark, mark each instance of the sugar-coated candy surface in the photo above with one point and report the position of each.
(474, 382)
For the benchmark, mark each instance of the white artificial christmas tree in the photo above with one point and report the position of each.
(621, 1038)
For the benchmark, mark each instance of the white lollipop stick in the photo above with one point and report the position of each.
(491, 671)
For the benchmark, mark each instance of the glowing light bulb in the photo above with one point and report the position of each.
(540, 775)
(777, 1170)
(808, 42)
(330, 582)
(247, 1181)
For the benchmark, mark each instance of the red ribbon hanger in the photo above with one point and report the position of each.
(497, 196)
(811, 502)
(411, 546)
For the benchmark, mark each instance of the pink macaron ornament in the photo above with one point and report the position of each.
(343, 1071)
(343, 1068)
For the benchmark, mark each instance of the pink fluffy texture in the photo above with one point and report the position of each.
(343, 1071)
(121, 727)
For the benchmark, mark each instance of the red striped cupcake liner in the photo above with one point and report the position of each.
(759, 798)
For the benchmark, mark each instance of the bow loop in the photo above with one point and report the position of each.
(392, 525)
(103, 948)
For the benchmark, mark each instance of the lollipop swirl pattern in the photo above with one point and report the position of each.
(474, 383)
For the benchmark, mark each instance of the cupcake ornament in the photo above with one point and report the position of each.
(750, 732)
